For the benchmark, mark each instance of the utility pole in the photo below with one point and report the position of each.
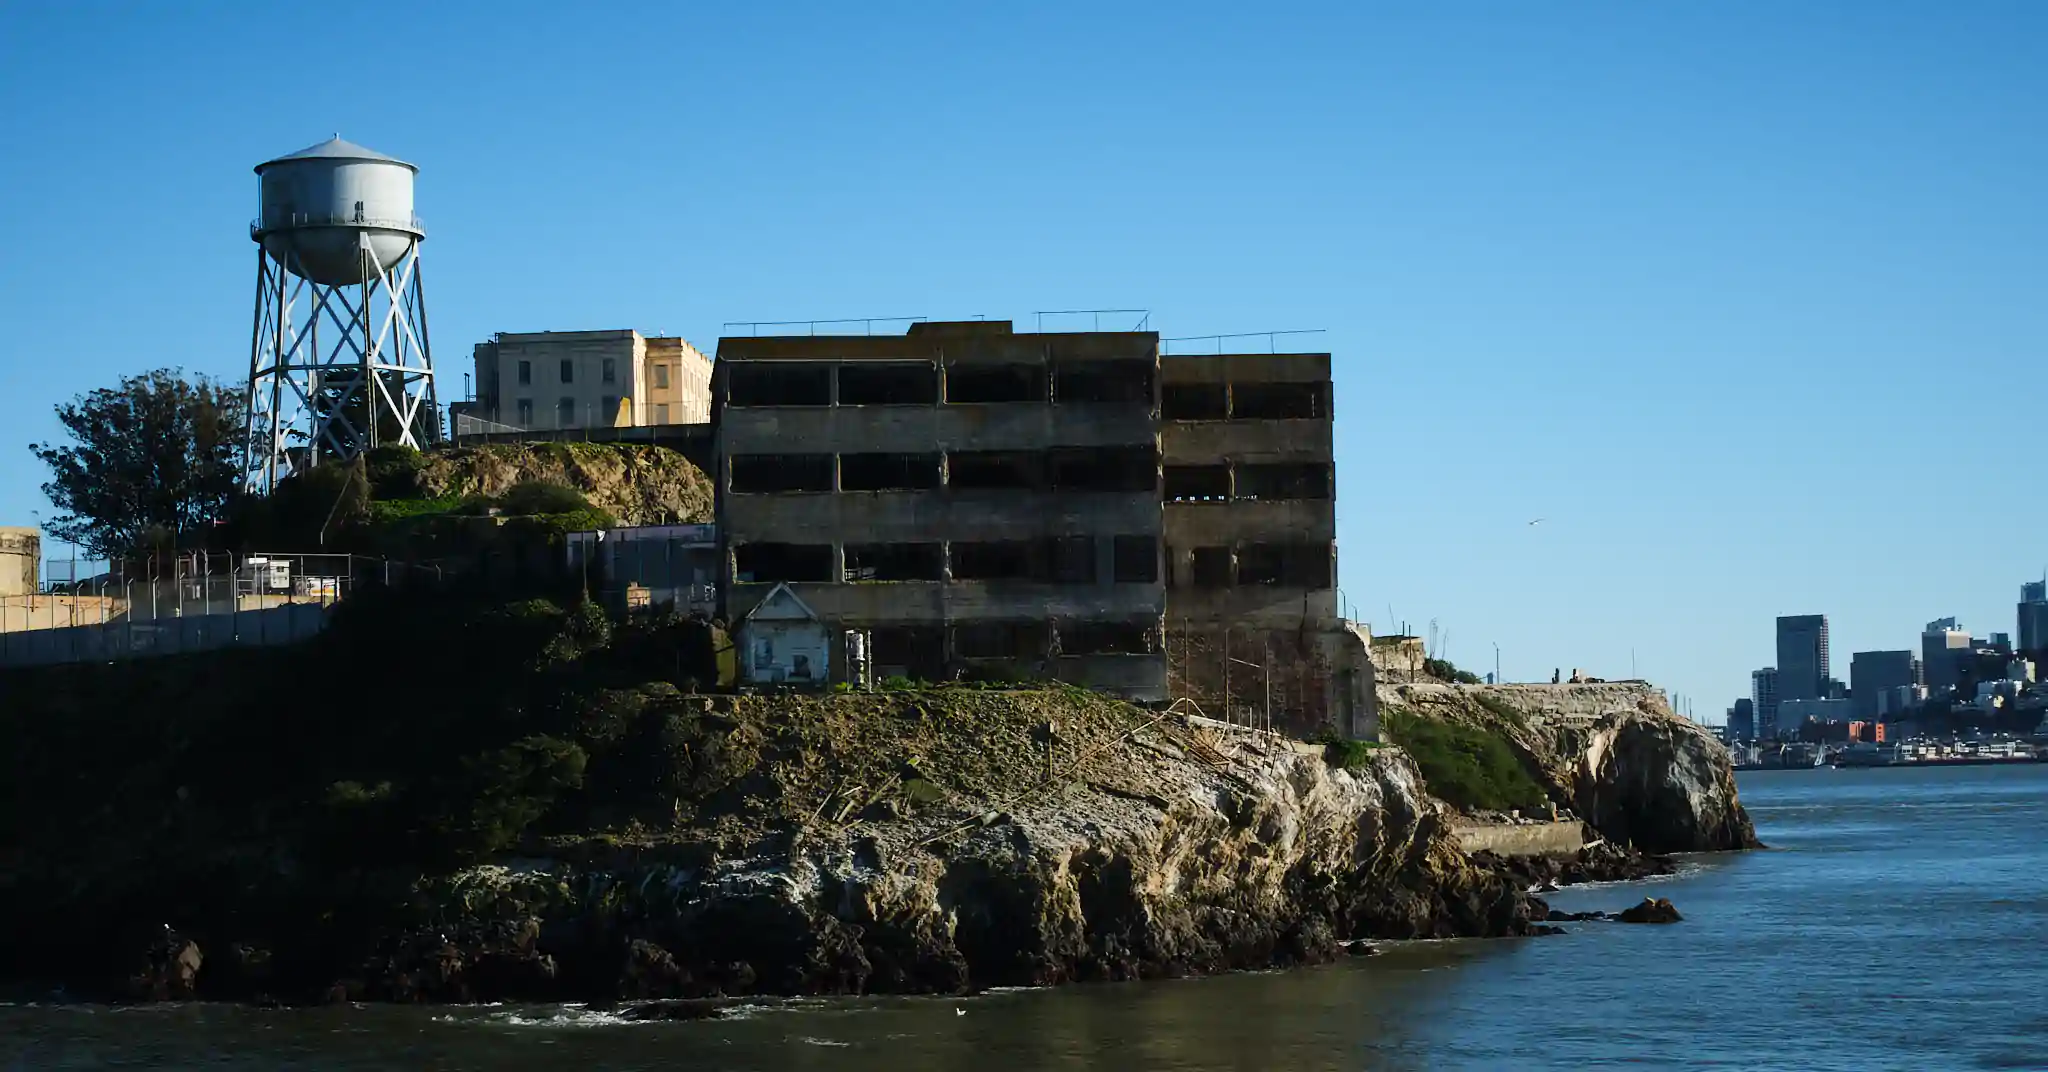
(1496, 663)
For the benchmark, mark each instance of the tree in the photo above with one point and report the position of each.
(152, 462)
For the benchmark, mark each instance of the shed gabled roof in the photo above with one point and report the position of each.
(335, 148)
(783, 599)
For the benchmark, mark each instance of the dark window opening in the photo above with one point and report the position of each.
(609, 371)
(777, 383)
(1194, 401)
(1211, 567)
(1106, 469)
(1070, 560)
(781, 472)
(1290, 565)
(1197, 483)
(1000, 640)
(782, 562)
(995, 470)
(895, 562)
(1109, 638)
(1286, 481)
(911, 651)
(1000, 560)
(888, 472)
(568, 370)
(525, 373)
(877, 384)
(1135, 560)
(1103, 381)
(995, 383)
(1278, 401)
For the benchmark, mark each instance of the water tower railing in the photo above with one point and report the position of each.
(257, 227)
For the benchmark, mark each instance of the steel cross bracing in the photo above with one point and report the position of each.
(336, 370)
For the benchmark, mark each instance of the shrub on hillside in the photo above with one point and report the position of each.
(1466, 767)
(542, 497)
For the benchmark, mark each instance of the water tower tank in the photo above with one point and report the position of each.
(329, 209)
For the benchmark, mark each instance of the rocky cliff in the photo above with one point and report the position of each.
(638, 484)
(1147, 846)
(1612, 753)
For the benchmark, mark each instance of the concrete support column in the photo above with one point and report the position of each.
(838, 562)
(832, 383)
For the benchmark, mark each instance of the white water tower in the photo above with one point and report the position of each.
(339, 361)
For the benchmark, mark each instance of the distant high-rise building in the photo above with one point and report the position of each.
(1872, 672)
(2033, 615)
(1942, 644)
(1803, 657)
(1763, 690)
(1742, 720)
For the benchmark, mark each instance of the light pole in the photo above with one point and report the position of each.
(1496, 663)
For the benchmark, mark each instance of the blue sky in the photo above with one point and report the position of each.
(1746, 299)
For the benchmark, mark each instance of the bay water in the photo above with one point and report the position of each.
(1898, 921)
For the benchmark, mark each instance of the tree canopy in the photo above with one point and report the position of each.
(153, 462)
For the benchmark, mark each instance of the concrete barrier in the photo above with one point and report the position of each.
(1563, 838)
(285, 624)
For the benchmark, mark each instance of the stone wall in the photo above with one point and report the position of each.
(1562, 838)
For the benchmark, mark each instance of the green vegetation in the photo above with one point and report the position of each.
(1442, 670)
(1340, 751)
(153, 461)
(1503, 710)
(1463, 765)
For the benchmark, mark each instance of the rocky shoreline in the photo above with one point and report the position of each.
(567, 839)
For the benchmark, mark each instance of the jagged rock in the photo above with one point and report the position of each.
(1575, 917)
(1652, 910)
(169, 970)
(677, 1009)
(1157, 868)
(651, 972)
(1612, 753)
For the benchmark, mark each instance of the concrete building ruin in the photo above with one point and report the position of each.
(1001, 505)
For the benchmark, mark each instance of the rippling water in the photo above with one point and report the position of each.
(1901, 921)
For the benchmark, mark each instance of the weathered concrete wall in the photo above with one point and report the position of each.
(879, 603)
(1246, 441)
(1562, 838)
(167, 636)
(21, 553)
(1398, 658)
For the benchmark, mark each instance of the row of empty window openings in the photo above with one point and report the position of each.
(608, 372)
(926, 649)
(877, 383)
(1062, 560)
(1111, 469)
(1244, 401)
(1221, 483)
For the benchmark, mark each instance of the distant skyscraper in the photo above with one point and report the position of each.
(1742, 721)
(1872, 672)
(2033, 623)
(1803, 657)
(1763, 690)
(1942, 644)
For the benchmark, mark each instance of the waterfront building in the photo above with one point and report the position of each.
(1793, 715)
(1803, 657)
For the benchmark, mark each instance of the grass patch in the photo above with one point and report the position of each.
(1466, 767)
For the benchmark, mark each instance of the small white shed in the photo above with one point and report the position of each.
(784, 642)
